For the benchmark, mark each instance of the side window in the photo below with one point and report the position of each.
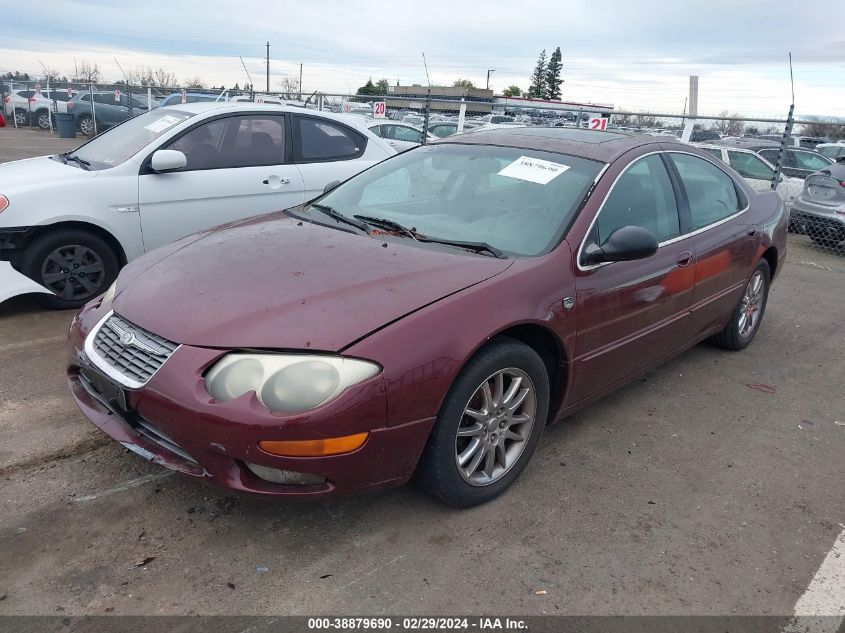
(324, 140)
(715, 153)
(807, 160)
(258, 140)
(401, 133)
(643, 196)
(202, 145)
(378, 130)
(711, 192)
(105, 99)
(770, 155)
(750, 166)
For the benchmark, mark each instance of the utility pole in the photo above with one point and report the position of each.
(300, 81)
(491, 70)
(268, 67)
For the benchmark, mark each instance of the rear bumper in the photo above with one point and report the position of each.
(821, 222)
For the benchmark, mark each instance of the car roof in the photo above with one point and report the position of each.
(753, 144)
(592, 144)
(202, 107)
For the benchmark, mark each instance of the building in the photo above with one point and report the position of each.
(443, 98)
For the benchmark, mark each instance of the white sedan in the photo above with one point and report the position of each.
(69, 222)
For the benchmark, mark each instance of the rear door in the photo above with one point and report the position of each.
(631, 314)
(238, 166)
(751, 167)
(724, 239)
(325, 151)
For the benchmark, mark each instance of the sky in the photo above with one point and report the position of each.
(632, 55)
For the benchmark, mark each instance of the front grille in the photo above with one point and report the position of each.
(131, 350)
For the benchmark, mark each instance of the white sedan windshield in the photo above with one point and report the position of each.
(518, 201)
(116, 145)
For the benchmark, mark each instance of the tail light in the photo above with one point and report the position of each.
(7, 99)
(70, 105)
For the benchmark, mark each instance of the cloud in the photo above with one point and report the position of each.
(638, 55)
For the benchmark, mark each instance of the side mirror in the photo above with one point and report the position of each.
(165, 160)
(330, 186)
(625, 244)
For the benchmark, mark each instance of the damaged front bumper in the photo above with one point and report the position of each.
(13, 283)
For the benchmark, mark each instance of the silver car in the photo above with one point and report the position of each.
(819, 210)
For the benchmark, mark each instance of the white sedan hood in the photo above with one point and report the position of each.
(27, 174)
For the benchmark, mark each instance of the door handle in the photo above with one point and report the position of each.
(283, 181)
(751, 232)
(684, 259)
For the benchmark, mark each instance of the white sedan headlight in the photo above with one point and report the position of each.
(286, 382)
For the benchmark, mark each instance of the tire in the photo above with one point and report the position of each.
(738, 333)
(42, 118)
(86, 125)
(21, 116)
(75, 264)
(438, 471)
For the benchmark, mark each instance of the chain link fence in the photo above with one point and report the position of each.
(795, 156)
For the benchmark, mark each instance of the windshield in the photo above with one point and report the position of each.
(113, 147)
(518, 201)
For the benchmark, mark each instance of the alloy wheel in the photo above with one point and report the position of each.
(86, 126)
(495, 426)
(752, 304)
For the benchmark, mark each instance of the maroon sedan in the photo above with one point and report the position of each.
(431, 315)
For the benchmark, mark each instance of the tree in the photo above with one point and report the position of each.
(623, 120)
(552, 78)
(289, 87)
(728, 127)
(512, 91)
(383, 86)
(87, 73)
(641, 120)
(538, 78)
(16, 76)
(195, 82)
(463, 83)
(164, 78)
(815, 128)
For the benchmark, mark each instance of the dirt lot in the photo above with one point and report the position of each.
(712, 486)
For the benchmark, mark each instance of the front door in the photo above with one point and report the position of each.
(631, 314)
(236, 169)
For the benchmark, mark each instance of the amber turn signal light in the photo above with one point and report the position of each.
(314, 448)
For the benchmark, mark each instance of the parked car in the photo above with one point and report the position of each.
(414, 119)
(833, 151)
(443, 129)
(190, 97)
(798, 163)
(400, 136)
(24, 104)
(809, 142)
(757, 171)
(110, 108)
(819, 210)
(497, 118)
(70, 221)
(429, 315)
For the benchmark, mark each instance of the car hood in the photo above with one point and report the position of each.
(35, 173)
(275, 282)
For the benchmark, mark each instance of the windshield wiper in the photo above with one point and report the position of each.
(329, 211)
(389, 225)
(477, 247)
(80, 161)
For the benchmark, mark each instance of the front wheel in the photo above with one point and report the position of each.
(746, 319)
(74, 265)
(489, 425)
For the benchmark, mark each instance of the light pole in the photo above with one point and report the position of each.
(491, 70)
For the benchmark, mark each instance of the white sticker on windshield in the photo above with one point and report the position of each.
(533, 170)
(162, 124)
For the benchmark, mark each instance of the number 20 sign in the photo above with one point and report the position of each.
(379, 109)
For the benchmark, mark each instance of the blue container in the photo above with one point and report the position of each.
(66, 124)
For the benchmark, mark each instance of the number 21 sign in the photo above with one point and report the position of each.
(598, 123)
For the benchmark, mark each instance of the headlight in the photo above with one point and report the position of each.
(108, 295)
(286, 382)
(4, 203)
